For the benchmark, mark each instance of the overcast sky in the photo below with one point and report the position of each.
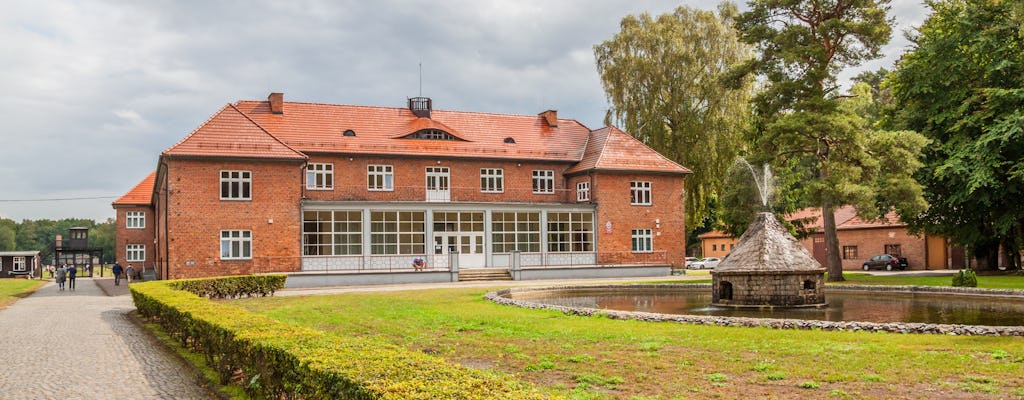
(92, 91)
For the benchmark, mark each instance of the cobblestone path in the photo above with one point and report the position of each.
(82, 344)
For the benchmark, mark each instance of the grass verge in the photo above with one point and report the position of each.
(984, 281)
(13, 289)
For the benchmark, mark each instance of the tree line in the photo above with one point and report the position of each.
(939, 138)
(39, 235)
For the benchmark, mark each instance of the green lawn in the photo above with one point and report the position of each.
(13, 289)
(597, 357)
(984, 281)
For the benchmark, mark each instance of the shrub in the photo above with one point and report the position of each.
(274, 360)
(965, 278)
(232, 286)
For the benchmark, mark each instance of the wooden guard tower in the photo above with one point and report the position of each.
(76, 251)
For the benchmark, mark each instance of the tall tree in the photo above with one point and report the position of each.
(661, 77)
(962, 85)
(823, 146)
(8, 233)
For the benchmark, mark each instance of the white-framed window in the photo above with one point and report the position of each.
(380, 178)
(583, 191)
(135, 252)
(492, 180)
(320, 176)
(643, 241)
(135, 219)
(543, 181)
(332, 233)
(19, 264)
(570, 231)
(397, 232)
(236, 245)
(515, 231)
(640, 193)
(235, 185)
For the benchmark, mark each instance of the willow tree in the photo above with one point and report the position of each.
(803, 123)
(661, 76)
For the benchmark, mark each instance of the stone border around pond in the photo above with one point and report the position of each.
(500, 297)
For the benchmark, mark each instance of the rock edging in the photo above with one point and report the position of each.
(501, 297)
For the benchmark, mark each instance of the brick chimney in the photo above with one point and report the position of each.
(551, 116)
(276, 103)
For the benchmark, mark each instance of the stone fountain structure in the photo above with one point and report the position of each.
(768, 268)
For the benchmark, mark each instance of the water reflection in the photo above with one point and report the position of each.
(843, 306)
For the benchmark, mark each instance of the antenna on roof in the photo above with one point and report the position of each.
(421, 78)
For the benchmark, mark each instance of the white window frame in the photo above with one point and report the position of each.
(583, 191)
(643, 241)
(135, 253)
(380, 178)
(640, 193)
(135, 219)
(320, 176)
(239, 185)
(492, 180)
(19, 264)
(543, 181)
(236, 244)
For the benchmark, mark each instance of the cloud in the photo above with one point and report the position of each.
(94, 90)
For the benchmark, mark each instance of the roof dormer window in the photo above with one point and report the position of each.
(348, 132)
(432, 134)
(510, 140)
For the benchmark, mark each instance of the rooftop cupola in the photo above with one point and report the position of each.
(420, 106)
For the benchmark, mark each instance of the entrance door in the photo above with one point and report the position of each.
(469, 245)
(820, 251)
(438, 187)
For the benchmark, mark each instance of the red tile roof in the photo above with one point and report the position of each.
(230, 133)
(611, 149)
(314, 127)
(846, 218)
(250, 129)
(141, 194)
(714, 234)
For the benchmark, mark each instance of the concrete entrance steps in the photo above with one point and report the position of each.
(484, 274)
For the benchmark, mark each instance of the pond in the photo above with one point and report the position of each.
(864, 306)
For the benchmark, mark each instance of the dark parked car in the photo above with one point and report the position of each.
(887, 261)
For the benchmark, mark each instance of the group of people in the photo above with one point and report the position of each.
(129, 273)
(64, 274)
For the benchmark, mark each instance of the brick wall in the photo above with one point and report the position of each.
(665, 216)
(871, 242)
(143, 236)
(197, 215)
(350, 180)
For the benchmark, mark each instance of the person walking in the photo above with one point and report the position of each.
(129, 271)
(117, 270)
(59, 275)
(72, 271)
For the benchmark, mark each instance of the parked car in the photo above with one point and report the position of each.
(707, 263)
(690, 260)
(887, 261)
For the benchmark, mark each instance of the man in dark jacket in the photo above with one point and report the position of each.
(117, 270)
(72, 271)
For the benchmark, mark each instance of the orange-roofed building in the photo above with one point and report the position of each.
(859, 240)
(328, 189)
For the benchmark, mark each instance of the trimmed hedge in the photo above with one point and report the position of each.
(232, 286)
(965, 278)
(274, 360)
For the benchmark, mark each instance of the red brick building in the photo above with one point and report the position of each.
(275, 186)
(860, 240)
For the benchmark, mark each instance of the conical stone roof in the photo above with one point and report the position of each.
(767, 246)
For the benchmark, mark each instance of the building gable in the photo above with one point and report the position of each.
(230, 133)
(611, 149)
